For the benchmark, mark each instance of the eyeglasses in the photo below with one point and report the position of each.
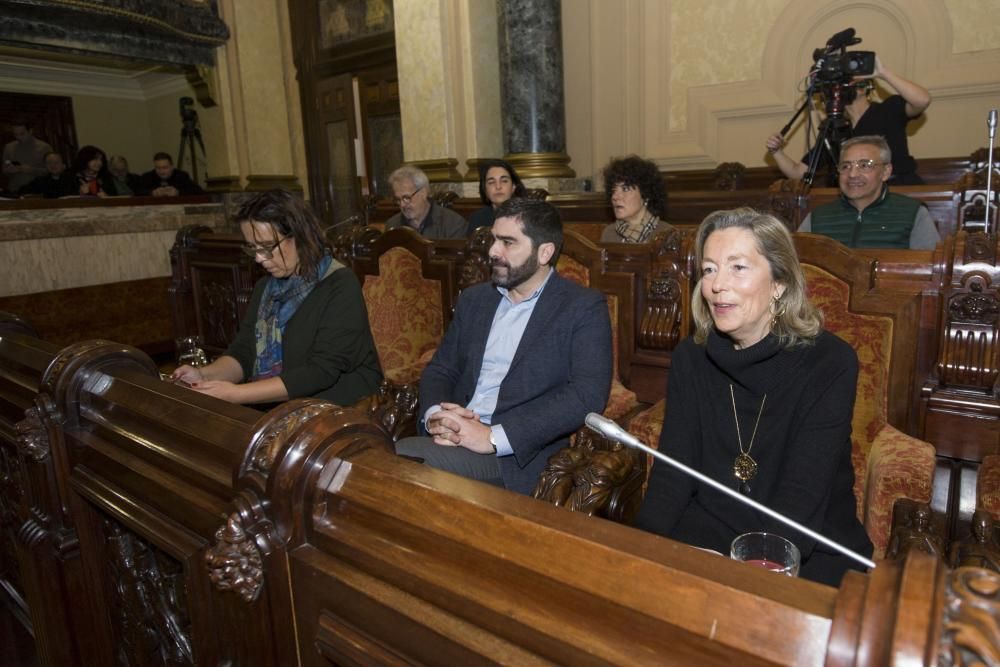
(265, 251)
(862, 165)
(406, 199)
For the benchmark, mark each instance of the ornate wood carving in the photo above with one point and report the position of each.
(235, 562)
(221, 312)
(660, 328)
(476, 267)
(268, 442)
(76, 363)
(914, 529)
(394, 408)
(32, 434)
(971, 633)
(969, 355)
(981, 547)
(594, 476)
(11, 492)
(148, 601)
(729, 176)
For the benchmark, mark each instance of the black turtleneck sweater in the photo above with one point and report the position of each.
(802, 448)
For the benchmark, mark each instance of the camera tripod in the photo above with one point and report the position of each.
(189, 134)
(833, 130)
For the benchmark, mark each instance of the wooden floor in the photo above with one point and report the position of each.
(17, 649)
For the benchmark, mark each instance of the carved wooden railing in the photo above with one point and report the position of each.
(156, 525)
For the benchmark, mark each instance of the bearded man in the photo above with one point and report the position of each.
(525, 359)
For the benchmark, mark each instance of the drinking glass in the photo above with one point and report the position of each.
(767, 550)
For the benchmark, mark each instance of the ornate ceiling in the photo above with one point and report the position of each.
(179, 32)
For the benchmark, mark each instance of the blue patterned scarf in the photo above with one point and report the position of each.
(281, 298)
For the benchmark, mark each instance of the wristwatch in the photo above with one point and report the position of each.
(493, 441)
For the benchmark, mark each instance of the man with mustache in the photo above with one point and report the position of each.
(526, 357)
(867, 215)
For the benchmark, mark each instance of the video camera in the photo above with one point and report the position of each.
(834, 64)
(189, 117)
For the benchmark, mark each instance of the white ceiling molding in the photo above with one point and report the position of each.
(47, 77)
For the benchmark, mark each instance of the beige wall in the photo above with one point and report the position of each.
(127, 134)
(690, 83)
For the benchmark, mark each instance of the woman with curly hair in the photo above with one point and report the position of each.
(636, 193)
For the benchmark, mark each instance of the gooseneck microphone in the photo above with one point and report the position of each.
(613, 431)
(991, 125)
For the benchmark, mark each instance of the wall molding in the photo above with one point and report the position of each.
(46, 77)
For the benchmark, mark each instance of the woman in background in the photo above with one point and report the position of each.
(498, 182)
(636, 192)
(91, 167)
(305, 332)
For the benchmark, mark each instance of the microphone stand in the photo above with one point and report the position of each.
(611, 430)
(991, 125)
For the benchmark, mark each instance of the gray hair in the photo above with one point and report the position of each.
(878, 141)
(118, 158)
(796, 320)
(409, 173)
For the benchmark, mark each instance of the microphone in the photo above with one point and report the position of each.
(842, 39)
(613, 431)
(991, 125)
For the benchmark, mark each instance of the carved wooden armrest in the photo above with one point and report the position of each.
(595, 476)
(394, 408)
(916, 527)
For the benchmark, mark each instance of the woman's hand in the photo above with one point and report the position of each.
(188, 374)
(221, 389)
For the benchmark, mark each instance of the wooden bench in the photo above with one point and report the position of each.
(143, 523)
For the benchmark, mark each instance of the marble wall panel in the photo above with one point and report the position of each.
(42, 265)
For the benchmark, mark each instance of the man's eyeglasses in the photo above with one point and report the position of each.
(406, 199)
(862, 165)
(265, 251)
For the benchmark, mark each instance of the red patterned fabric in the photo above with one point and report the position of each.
(888, 464)
(621, 400)
(573, 270)
(898, 466)
(647, 426)
(988, 486)
(405, 313)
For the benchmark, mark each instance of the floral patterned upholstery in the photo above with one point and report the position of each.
(988, 486)
(888, 464)
(405, 313)
(621, 400)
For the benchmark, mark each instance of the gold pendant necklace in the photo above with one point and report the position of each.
(744, 467)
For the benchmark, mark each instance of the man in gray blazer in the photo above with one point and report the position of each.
(411, 192)
(525, 359)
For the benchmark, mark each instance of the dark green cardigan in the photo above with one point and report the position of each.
(327, 348)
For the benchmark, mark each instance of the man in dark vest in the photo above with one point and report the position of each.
(867, 215)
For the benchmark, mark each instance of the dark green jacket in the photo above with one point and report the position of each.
(885, 223)
(327, 348)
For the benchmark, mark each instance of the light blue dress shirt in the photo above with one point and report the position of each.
(509, 323)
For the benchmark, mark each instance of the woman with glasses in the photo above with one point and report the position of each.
(305, 332)
(498, 182)
(636, 192)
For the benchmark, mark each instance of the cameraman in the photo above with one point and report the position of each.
(887, 119)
